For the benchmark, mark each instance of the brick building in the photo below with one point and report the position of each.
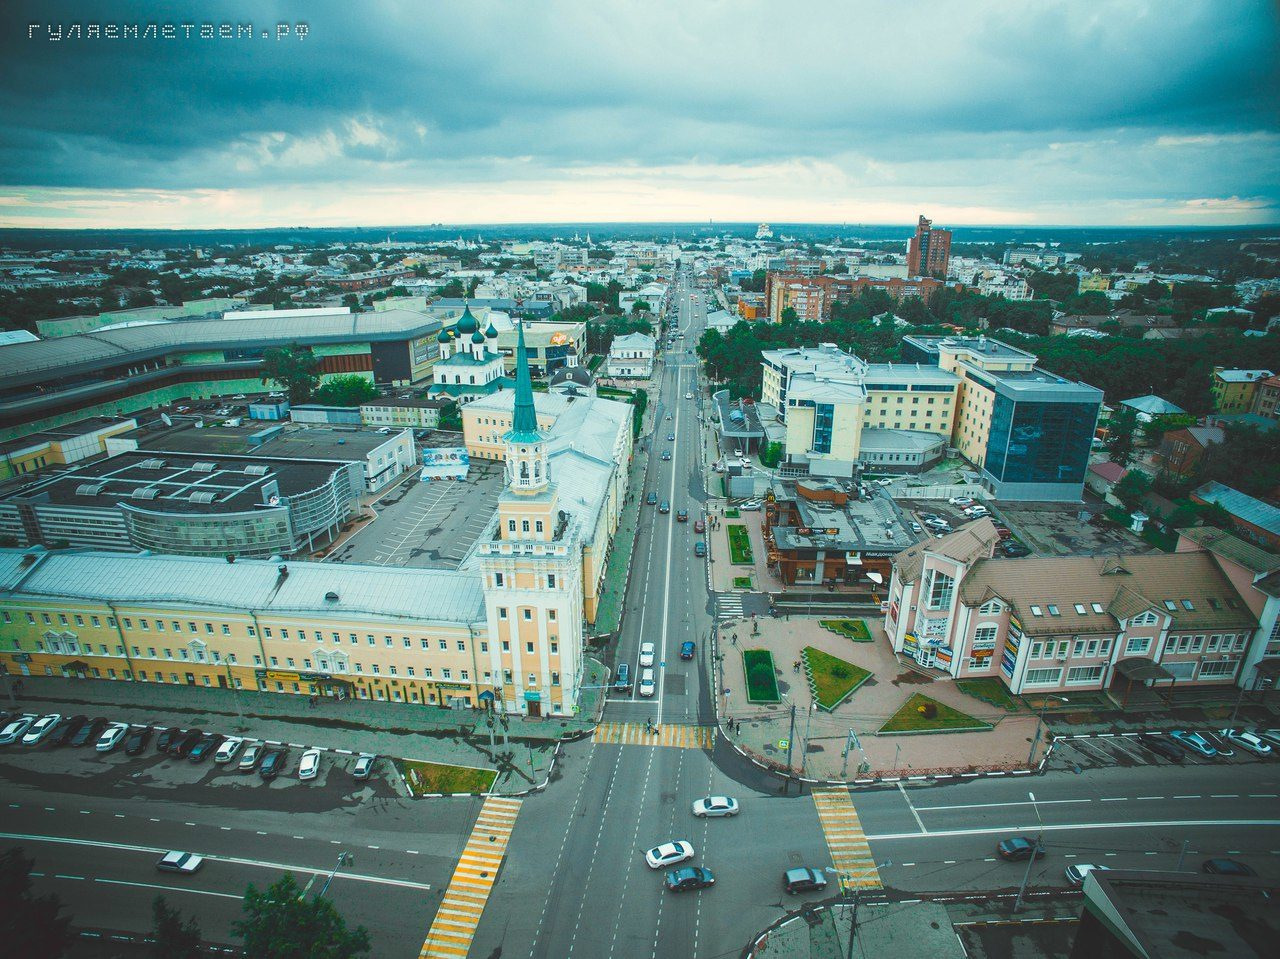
(929, 251)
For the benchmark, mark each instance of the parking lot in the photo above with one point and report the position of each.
(1127, 750)
(428, 525)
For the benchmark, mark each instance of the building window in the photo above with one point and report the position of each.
(446, 673)
(1084, 675)
(941, 587)
(502, 612)
(555, 679)
(555, 647)
(528, 613)
(1137, 645)
(484, 647)
(1218, 668)
(984, 637)
(462, 646)
(497, 579)
(551, 581)
(506, 646)
(1043, 677)
(528, 647)
(551, 615)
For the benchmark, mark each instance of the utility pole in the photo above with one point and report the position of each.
(344, 859)
(791, 735)
(1017, 903)
(804, 750)
(231, 681)
(1035, 740)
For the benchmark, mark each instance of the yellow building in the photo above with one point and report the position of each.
(59, 446)
(1234, 391)
(1094, 282)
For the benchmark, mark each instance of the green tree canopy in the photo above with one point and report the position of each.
(451, 418)
(351, 389)
(29, 925)
(1053, 286)
(1131, 488)
(279, 924)
(293, 368)
(172, 936)
(641, 306)
(453, 290)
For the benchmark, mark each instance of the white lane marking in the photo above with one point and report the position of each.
(907, 799)
(987, 805)
(59, 875)
(187, 889)
(1059, 827)
(258, 863)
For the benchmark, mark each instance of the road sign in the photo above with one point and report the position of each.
(662, 664)
(784, 743)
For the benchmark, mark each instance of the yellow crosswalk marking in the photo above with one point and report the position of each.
(668, 734)
(473, 877)
(846, 841)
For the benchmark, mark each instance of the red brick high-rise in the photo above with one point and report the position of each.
(929, 251)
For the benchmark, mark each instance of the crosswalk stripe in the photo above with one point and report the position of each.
(846, 841)
(668, 734)
(454, 925)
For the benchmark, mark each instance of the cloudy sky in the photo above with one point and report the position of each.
(1122, 112)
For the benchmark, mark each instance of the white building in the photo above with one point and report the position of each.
(631, 356)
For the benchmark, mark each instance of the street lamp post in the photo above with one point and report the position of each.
(1035, 741)
(854, 898)
(1017, 903)
(344, 859)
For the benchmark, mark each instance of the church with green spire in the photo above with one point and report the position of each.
(470, 364)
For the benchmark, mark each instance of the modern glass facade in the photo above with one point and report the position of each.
(823, 416)
(1040, 441)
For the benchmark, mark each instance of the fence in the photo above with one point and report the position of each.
(939, 492)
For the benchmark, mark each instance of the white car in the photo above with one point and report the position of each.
(961, 501)
(111, 737)
(250, 758)
(668, 854)
(184, 862)
(1077, 872)
(1246, 740)
(716, 806)
(41, 728)
(647, 685)
(16, 729)
(646, 654)
(750, 505)
(688, 396)
(227, 751)
(309, 765)
(976, 512)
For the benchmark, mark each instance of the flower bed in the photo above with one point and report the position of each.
(832, 679)
(989, 690)
(739, 544)
(742, 582)
(424, 779)
(854, 629)
(762, 681)
(920, 714)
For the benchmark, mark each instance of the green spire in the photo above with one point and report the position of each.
(524, 419)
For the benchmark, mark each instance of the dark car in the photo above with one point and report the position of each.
(182, 746)
(1018, 848)
(1162, 746)
(803, 879)
(64, 733)
(623, 679)
(666, 454)
(89, 732)
(699, 548)
(652, 499)
(682, 516)
(1013, 549)
(1227, 867)
(690, 877)
(671, 437)
(273, 763)
(206, 747)
(686, 649)
(664, 507)
(137, 741)
(166, 739)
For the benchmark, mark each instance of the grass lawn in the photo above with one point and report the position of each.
(739, 544)
(909, 719)
(989, 690)
(731, 514)
(854, 629)
(833, 678)
(762, 682)
(425, 778)
(742, 582)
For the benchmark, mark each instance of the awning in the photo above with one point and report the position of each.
(532, 697)
(1268, 667)
(76, 664)
(1140, 669)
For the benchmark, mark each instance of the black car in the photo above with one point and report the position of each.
(1012, 549)
(1227, 867)
(206, 747)
(137, 741)
(89, 732)
(181, 747)
(1018, 848)
(1163, 746)
(273, 763)
(167, 737)
(62, 735)
(690, 877)
(652, 498)
(803, 879)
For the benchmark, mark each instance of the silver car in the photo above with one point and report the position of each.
(16, 729)
(715, 806)
(41, 728)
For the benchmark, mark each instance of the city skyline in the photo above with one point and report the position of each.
(498, 113)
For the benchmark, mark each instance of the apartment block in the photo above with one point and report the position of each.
(929, 251)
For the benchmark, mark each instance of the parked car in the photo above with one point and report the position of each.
(111, 737)
(647, 684)
(250, 758)
(686, 649)
(1269, 736)
(751, 505)
(916, 527)
(689, 878)
(803, 879)
(273, 763)
(652, 499)
(668, 854)
(89, 732)
(1162, 747)
(1250, 741)
(309, 764)
(682, 516)
(664, 507)
(182, 745)
(1077, 872)
(137, 741)
(16, 729)
(40, 729)
(646, 654)
(699, 548)
(961, 501)
(1013, 549)
(938, 525)
(1194, 742)
(67, 730)
(623, 679)
(1019, 848)
(699, 526)
(164, 742)
(182, 862)
(714, 806)
(1003, 532)
(1227, 867)
(1216, 741)
(977, 512)
(206, 747)
(227, 751)
(364, 766)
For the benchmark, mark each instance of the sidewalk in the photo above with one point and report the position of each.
(613, 590)
(430, 734)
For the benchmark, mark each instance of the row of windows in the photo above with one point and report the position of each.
(1078, 648)
(500, 579)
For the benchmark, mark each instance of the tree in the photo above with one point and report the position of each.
(1120, 435)
(452, 290)
(771, 455)
(173, 938)
(450, 419)
(641, 306)
(29, 925)
(293, 368)
(1053, 286)
(1089, 303)
(352, 302)
(789, 314)
(280, 924)
(1131, 488)
(349, 390)
(172, 288)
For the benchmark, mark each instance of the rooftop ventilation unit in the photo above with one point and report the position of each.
(257, 470)
(90, 489)
(204, 496)
(151, 464)
(145, 492)
(204, 467)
